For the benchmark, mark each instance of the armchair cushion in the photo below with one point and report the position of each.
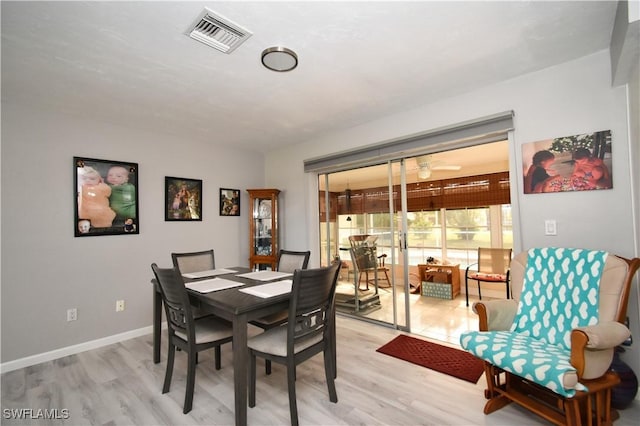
(528, 357)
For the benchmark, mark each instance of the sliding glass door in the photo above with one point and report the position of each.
(361, 223)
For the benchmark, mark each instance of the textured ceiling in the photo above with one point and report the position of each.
(131, 63)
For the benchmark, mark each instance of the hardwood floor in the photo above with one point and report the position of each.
(120, 385)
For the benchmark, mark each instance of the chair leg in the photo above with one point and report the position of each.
(252, 379)
(479, 293)
(387, 278)
(267, 366)
(329, 372)
(191, 382)
(291, 382)
(218, 356)
(171, 354)
(466, 288)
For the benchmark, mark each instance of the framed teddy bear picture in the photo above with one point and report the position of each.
(106, 197)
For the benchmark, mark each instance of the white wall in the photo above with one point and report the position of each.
(45, 270)
(632, 355)
(568, 99)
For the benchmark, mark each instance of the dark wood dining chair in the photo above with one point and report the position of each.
(308, 332)
(288, 261)
(184, 331)
(195, 261)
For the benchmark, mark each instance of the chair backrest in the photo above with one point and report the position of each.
(615, 284)
(494, 260)
(311, 308)
(176, 301)
(362, 239)
(364, 257)
(560, 292)
(194, 261)
(289, 261)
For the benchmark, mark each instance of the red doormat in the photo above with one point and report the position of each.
(454, 362)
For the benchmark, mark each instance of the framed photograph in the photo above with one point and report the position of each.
(569, 163)
(229, 202)
(106, 197)
(183, 199)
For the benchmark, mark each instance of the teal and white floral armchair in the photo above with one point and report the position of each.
(549, 348)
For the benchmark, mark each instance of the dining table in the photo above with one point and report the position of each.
(237, 307)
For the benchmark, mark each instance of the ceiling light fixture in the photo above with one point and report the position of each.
(279, 59)
(424, 172)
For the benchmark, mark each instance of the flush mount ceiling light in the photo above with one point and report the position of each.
(279, 59)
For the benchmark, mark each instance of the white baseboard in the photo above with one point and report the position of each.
(71, 350)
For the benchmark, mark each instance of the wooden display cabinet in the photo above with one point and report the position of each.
(263, 228)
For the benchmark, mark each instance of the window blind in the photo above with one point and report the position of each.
(474, 132)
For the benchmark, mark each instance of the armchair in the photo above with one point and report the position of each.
(550, 347)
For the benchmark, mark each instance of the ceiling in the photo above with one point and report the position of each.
(130, 63)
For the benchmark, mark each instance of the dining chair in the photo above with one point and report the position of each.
(288, 261)
(309, 331)
(194, 261)
(185, 332)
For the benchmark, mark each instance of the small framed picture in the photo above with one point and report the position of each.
(229, 202)
(106, 197)
(183, 199)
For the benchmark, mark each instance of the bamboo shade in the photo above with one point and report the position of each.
(456, 193)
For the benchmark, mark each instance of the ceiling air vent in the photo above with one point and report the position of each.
(217, 31)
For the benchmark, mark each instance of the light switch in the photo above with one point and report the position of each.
(550, 227)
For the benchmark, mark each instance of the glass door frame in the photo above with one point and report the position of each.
(403, 254)
(397, 226)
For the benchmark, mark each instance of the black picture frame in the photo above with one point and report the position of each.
(106, 197)
(183, 199)
(229, 202)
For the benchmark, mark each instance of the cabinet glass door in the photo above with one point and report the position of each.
(263, 227)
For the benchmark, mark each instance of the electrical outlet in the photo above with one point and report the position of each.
(72, 314)
(119, 305)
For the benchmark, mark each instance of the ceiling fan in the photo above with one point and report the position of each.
(426, 165)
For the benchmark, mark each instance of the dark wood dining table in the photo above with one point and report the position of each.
(237, 307)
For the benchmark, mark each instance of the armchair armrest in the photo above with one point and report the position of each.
(605, 335)
(495, 315)
(592, 347)
(466, 271)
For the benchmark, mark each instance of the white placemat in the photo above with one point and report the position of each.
(209, 273)
(215, 284)
(265, 275)
(270, 289)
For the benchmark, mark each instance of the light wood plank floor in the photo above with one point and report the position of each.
(119, 385)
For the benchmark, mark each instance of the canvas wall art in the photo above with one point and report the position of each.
(569, 163)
